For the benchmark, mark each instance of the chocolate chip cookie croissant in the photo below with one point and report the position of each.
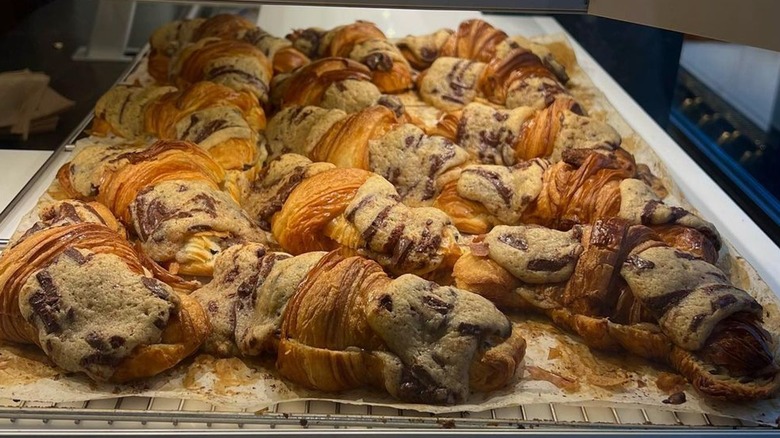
(236, 64)
(363, 42)
(499, 136)
(372, 139)
(620, 287)
(479, 59)
(332, 83)
(337, 323)
(217, 118)
(320, 208)
(585, 187)
(168, 39)
(170, 195)
(79, 291)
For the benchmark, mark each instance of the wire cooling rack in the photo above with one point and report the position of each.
(133, 413)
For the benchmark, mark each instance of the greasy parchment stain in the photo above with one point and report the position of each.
(557, 368)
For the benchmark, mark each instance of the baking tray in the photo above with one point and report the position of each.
(150, 414)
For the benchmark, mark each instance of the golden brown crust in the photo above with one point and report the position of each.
(475, 39)
(162, 115)
(307, 85)
(345, 144)
(468, 216)
(187, 329)
(492, 369)
(539, 133)
(361, 41)
(342, 329)
(612, 304)
(237, 64)
(717, 386)
(165, 160)
(481, 275)
(315, 202)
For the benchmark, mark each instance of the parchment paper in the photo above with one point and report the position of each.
(590, 378)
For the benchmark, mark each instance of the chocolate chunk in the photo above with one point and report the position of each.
(378, 61)
(210, 128)
(661, 304)
(696, 322)
(198, 228)
(677, 398)
(428, 54)
(393, 103)
(340, 86)
(231, 274)
(160, 323)
(516, 242)
(436, 304)
(212, 306)
(227, 70)
(685, 255)
(116, 341)
(100, 358)
(350, 214)
(549, 265)
(723, 301)
(68, 211)
(503, 191)
(193, 121)
(376, 224)
(386, 302)
(74, 254)
(155, 287)
(207, 201)
(95, 341)
(417, 385)
(639, 262)
(401, 251)
(469, 329)
(45, 302)
(500, 117)
(677, 213)
(248, 286)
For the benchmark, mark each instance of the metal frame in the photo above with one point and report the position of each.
(150, 412)
(529, 6)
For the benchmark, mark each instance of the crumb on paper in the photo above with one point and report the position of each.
(671, 383)
(677, 398)
(566, 383)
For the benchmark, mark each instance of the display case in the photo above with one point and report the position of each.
(116, 40)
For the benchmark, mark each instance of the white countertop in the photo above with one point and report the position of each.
(701, 191)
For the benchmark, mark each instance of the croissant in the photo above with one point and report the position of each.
(498, 136)
(168, 39)
(362, 42)
(170, 196)
(480, 60)
(319, 208)
(576, 190)
(422, 50)
(274, 184)
(236, 64)
(218, 119)
(333, 83)
(336, 323)
(621, 288)
(79, 291)
(372, 139)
